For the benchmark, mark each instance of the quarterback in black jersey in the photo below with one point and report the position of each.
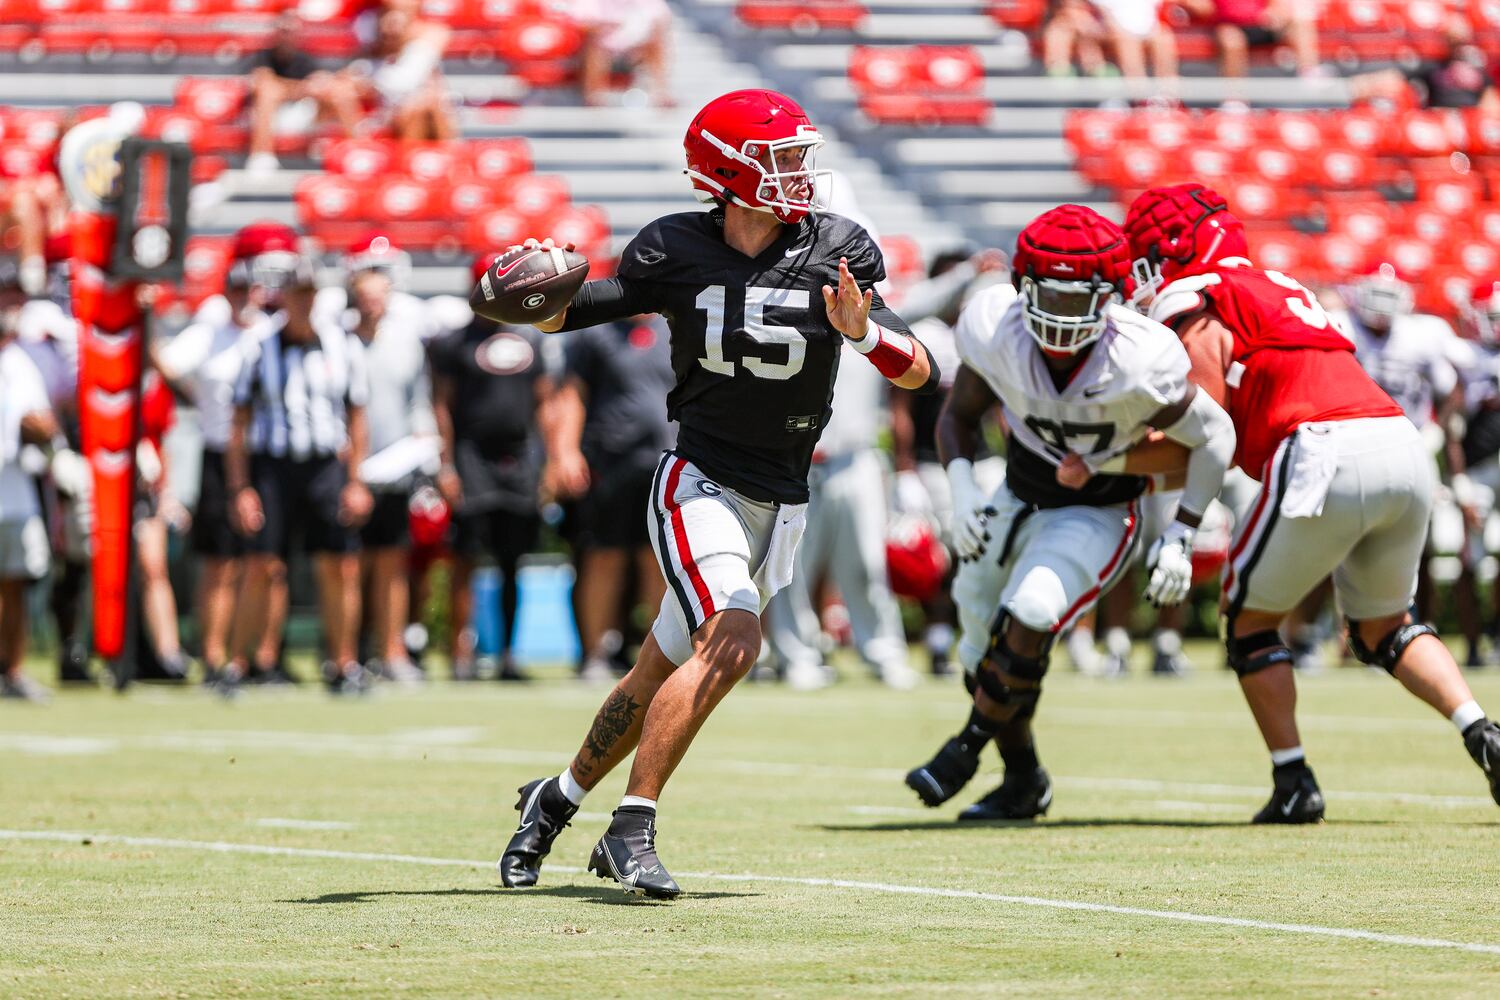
(760, 293)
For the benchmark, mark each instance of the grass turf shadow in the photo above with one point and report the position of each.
(602, 894)
(919, 826)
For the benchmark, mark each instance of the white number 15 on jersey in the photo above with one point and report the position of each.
(711, 301)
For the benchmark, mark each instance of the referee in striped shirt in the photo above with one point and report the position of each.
(292, 462)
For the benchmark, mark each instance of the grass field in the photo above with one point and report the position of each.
(166, 844)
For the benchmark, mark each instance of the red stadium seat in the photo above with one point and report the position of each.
(1361, 130)
(1284, 252)
(402, 199)
(585, 226)
(1455, 195)
(875, 69)
(1486, 222)
(1342, 170)
(806, 16)
(1275, 165)
(1430, 133)
(1253, 200)
(212, 101)
(496, 229)
(1231, 129)
(1432, 226)
(921, 84)
(360, 159)
(499, 159)
(330, 198)
(1136, 166)
(904, 263)
(18, 161)
(1094, 133)
(37, 129)
(1298, 131)
(467, 198)
(1167, 130)
(1477, 258)
(1023, 15)
(537, 196)
(1338, 257)
(1209, 164)
(540, 50)
(434, 161)
(1366, 223)
(1412, 255)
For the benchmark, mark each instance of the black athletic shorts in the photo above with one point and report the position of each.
(389, 525)
(212, 533)
(612, 515)
(1258, 36)
(500, 534)
(301, 502)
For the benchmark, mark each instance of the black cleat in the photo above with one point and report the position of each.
(1022, 795)
(627, 854)
(945, 775)
(545, 811)
(1482, 739)
(1296, 798)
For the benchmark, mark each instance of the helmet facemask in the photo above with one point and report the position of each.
(787, 184)
(1064, 316)
(1148, 279)
(1381, 298)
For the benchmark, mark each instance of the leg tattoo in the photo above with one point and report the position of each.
(614, 720)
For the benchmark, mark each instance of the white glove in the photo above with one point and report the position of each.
(71, 473)
(971, 511)
(1170, 563)
(911, 495)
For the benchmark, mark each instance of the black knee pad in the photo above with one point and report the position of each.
(1002, 667)
(1389, 650)
(1255, 652)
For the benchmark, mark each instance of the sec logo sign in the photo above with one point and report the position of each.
(504, 354)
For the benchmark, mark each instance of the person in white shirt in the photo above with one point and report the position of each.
(25, 419)
(201, 364)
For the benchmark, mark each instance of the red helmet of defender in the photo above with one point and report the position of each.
(1380, 296)
(266, 253)
(378, 252)
(754, 148)
(1176, 231)
(1070, 264)
(1479, 318)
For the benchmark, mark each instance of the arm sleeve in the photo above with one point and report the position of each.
(1208, 432)
(611, 299)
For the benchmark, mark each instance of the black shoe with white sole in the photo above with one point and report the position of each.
(1022, 795)
(1482, 740)
(1296, 798)
(545, 811)
(945, 775)
(627, 854)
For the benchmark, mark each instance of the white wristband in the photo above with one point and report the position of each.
(875, 335)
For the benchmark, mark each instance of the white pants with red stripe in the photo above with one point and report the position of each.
(1043, 568)
(1349, 498)
(717, 550)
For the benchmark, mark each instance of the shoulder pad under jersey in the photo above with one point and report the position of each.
(1182, 297)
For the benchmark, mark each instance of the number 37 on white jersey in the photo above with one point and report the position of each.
(1136, 368)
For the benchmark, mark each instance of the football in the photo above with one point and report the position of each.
(528, 284)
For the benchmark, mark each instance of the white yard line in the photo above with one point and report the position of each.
(389, 747)
(283, 823)
(223, 847)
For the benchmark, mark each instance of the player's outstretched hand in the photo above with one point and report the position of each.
(1170, 563)
(848, 308)
(1073, 472)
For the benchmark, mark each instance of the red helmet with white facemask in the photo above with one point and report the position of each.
(378, 252)
(268, 254)
(1179, 230)
(1479, 318)
(1070, 264)
(754, 148)
(1380, 296)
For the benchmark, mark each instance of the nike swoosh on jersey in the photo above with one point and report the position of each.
(794, 251)
(1093, 391)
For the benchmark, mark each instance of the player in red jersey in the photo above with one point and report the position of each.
(1346, 482)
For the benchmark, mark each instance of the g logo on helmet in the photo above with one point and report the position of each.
(88, 161)
(533, 300)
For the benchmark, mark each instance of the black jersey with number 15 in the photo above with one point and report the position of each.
(752, 349)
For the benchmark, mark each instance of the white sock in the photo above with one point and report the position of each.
(939, 637)
(638, 801)
(1466, 715)
(1288, 756)
(1117, 641)
(571, 789)
(1168, 641)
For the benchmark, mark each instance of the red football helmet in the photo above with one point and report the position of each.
(754, 148)
(1380, 296)
(268, 254)
(376, 251)
(1176, 231)
(1070, 263)
(1480, 316)
(915, 558)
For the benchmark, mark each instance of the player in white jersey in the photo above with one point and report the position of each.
(1479, 448)
(1080, 379)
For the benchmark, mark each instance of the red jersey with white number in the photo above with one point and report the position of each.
(1289, 364)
